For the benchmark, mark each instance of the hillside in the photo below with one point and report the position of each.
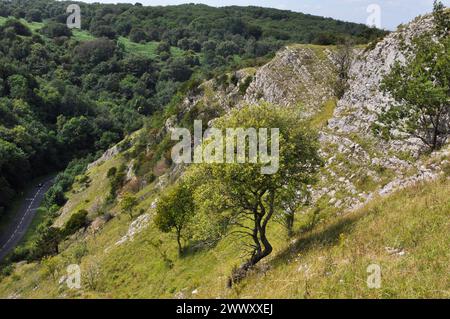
(376, 201)
(196, 22)
(328, 262)
(69, 95)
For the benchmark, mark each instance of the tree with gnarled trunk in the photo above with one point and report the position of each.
(246, 199)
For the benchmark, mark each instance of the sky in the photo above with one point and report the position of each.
(387, 14)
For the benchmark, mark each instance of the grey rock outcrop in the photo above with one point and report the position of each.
(363, 102)
(297, 76)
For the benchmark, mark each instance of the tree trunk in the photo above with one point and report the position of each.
(180, 247)
(263, 248)
(436, 124)
(436, 132)
(290, 223)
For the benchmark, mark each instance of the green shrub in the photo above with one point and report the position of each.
(111, 172)
(18, 27)
(6, 271)
(244, 86)
(77, 221)
(55, 30)
(20, 253)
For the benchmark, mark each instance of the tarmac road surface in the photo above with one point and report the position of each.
(14, 232)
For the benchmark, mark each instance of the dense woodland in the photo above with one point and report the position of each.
(64, 98)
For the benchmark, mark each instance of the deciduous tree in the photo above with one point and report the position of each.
(246, 199)
(175, 210)
(420, 89)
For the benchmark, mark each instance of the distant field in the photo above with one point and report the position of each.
(34, 26)
(147, 49)
(82, 35)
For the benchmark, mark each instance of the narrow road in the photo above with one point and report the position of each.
(14, 232)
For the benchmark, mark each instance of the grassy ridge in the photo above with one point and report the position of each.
(146, 49)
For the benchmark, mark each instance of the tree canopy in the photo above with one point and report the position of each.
(238, 196)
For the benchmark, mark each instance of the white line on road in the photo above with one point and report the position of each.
(23, 217)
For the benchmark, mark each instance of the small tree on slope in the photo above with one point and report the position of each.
(174, 212)
(246, 199)
(421, 88)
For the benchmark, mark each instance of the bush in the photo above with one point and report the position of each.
(79, 251)
(104, 31)
(111, 172)
(20, 253)
(47, 243)
(244, 86)
(325, 39)
(95, 51)
(163, 47)
(56, 195)
(77, 221)
(18, 27)
(117, 181)
(227, 48)
(137, 35)
(34, 16)
(56, 30)
(6, 271)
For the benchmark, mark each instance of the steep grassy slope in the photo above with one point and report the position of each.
(407, 234)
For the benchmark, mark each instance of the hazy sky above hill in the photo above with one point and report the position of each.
(393, 12)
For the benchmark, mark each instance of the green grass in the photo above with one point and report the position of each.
(320, 120)
(414, 221)
(146, 49)
(82, 35)
(328, 262)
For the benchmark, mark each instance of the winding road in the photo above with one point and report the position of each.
(14, 232)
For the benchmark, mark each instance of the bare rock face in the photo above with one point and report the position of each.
(232, 95)
(298, 75)
(360, 166)
(110, 153)
(137, 226)
(130, 171)
(364, 100)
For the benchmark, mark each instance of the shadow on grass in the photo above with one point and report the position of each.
(195, 247)
(327, 236)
